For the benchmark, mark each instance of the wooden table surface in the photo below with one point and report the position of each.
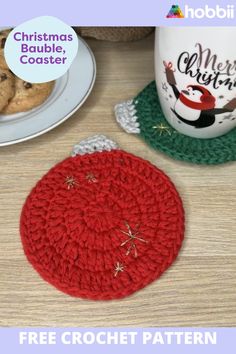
(200, 287)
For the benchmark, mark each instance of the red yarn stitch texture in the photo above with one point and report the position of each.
(72, 236)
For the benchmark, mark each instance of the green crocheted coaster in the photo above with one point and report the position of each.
(143, 115)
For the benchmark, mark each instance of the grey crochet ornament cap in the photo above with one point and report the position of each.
(143, 115)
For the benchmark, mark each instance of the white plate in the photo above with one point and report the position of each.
(69, 93)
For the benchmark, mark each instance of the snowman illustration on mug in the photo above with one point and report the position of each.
(196, 79)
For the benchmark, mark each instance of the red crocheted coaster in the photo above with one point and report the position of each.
(103, 224)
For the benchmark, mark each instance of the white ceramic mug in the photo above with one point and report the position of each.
(196, 78)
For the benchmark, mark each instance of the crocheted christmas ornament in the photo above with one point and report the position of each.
(143, 115)
(103, 223)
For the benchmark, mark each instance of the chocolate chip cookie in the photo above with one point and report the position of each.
(3, 38)
(28, 96)
(7, 87)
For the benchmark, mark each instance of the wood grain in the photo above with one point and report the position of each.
(198, 290)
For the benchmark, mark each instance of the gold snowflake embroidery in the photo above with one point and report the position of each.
(71, 182)
(118, 268)
(132, 237)
(162, 128)
(91, 178)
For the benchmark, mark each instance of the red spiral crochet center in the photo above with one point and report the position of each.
(102, 225)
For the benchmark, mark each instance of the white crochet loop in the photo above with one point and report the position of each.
(96, 143)
(125, 113)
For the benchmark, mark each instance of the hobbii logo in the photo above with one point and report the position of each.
(201, 12)
(210, 12)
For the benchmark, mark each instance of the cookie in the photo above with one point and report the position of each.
(7, 87)
(28, 96)
(3, 38)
